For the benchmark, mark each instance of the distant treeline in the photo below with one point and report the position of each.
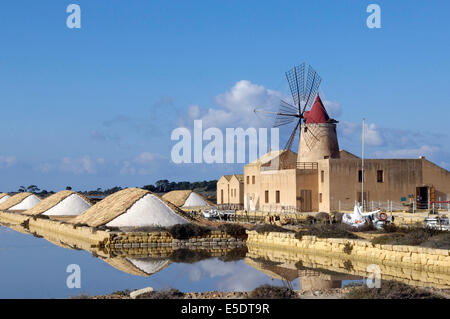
(161, 186)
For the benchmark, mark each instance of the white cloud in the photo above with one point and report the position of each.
(352, 131)
(143, 164)
(334, 109)
(424, 150)
(372, 135)
(147, 157)
(236, 106)
(7, 161)
(80, 165)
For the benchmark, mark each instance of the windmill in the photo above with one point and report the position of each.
(304, 84)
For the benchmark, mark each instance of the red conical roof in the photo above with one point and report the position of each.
(317, 114)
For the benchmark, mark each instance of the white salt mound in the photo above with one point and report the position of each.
(148, 211)
(4, 198)
(149, 266)
(194, 200)
(27, 203)
(72, 205)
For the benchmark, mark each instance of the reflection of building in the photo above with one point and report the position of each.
(323, 178)
(309, 279)
(230, 190)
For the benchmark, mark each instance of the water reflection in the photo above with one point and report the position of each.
(43, 262)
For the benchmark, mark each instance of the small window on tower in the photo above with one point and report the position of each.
(253, 179)
(266, 196)
(320, 197)
(248, 179)
(277, 197)
(380, 176)
(322, 176)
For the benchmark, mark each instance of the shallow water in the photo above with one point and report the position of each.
(32, 267)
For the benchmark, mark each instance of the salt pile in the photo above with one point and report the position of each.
(148, 211)
(27, 203)
(72, 205)
(4, 198)
(195, 200)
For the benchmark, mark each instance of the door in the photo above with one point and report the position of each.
(422, 197)
(305, 200)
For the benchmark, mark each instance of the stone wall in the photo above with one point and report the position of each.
(215, 240)
(436, 260)
(320, 264)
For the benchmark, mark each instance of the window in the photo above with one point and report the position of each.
(380, 176)
(277, 197)
(320, 197)
(266, 196)
(248, 179)
(360, 176)
(322, 176)
(253, 179)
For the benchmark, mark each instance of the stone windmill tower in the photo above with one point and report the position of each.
(318, 138)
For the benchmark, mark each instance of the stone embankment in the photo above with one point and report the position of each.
(215, 240)
(413, 265)
(413, 256)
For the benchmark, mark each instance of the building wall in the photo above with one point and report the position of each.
(236, 187)
(251, 190)
(307, 180)
(223, 185)
(340, 186)
(437, 177)
(283, 181)
(400, 179)
(323, 185)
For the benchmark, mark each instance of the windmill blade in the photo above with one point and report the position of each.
(287, 113)
(296, 80)
(285, 107)
(312, 86)
(288, 145)
(281, 120)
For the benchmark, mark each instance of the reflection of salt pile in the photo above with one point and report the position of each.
(4, 197)
(21, 201)
(64, 203)
(138, 266)
(132, 207)
(186, 198)
(149, 265)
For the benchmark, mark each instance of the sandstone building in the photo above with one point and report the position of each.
(323, 178)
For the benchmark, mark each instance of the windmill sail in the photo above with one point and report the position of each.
(304, 84)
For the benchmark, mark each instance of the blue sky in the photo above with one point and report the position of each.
(95, 107)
